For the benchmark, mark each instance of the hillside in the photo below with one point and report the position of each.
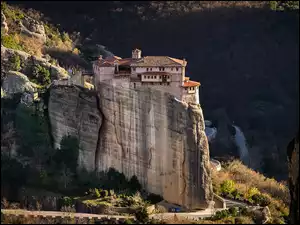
(244, 54)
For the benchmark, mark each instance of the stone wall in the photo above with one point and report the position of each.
(142, 132)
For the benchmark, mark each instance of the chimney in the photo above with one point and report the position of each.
(136, 54)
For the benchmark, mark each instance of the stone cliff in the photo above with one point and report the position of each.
(139, 132)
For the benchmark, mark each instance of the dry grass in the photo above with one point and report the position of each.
(32, 45)
(246, 178)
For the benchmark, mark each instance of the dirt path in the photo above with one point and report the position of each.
(56, 213)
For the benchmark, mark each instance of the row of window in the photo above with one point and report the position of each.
(154, 77)
(190, 88)
(160, 69)
(153, 83)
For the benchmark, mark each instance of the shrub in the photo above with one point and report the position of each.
(15, 63)
(10, 41)
(233, 211)
(141, 214)
(97, 194)
(261, 199)
(251, 192)
(40, 75)
(134, 184)
(227, 187)
(128, 221)
(243, 220)
(4, 204)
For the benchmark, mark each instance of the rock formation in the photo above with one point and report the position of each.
(139, 132)
(28, 61)
(4, 27)
(293, 166)
(33, 28)
(16, 82)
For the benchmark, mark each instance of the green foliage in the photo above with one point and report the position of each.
(12, 13)
(141, 214)
(97, 194)
(153, 198)
(11, 170)
(67, 201)
(134, 184)
(227, 187)
(40, 75)
(221, 214)
(128, 221)
(65, 37)
(15, 63)
(68, 152)
(261, 199)
(233, 211)
(251, 192)
(9, 41)
(33, 132)
(284, 5)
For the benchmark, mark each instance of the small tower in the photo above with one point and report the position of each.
(136, 54)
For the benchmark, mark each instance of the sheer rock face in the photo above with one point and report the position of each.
(139, 132)
(293, 165)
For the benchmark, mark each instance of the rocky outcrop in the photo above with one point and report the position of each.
(139, 132)
(33, 28)
(293, 166)
(16, 82)
(4, 26)
(28, 61)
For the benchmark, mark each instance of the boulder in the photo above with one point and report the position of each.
(16, 82)
(33, 28)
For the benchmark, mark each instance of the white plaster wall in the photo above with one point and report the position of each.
(197, 95)
(103, 73)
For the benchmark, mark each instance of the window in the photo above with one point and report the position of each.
(168, 77)
(133, 85)
(177, 69)
(159, 77)
(151, 77)
(154, 77)
(163, 69)
(147, 69)
(168, 83)
(160, 83)
(144, 76)
(139, 76)
(133, 69)
(150, 69)
(148, 77)
(172, 69)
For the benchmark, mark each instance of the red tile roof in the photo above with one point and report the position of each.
(190, 83)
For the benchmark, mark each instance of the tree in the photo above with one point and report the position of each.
(66, 175)
(227, 187)
(15, 62)
(141, 214)
(68, 152)
(284, 5)
(134, 184)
